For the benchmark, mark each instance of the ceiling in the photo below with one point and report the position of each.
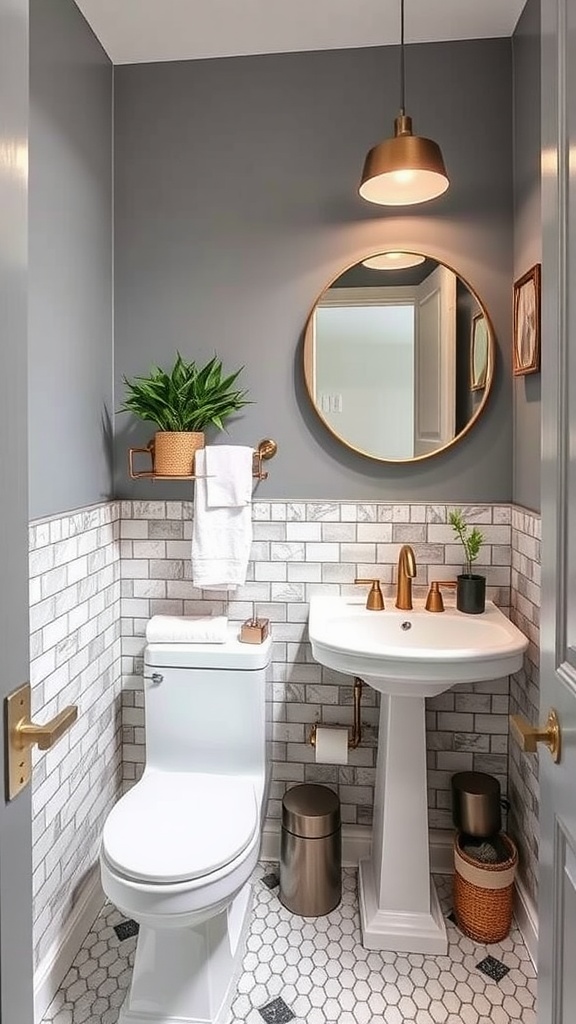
(134, 31)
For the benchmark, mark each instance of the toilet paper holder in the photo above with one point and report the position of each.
(355, 736)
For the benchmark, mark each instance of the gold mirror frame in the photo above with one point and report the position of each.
(308, 359)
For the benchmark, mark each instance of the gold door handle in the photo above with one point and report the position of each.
(28, 733)
(22, 733)
(527, 736)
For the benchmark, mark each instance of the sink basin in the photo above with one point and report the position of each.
(407, 656)
(419, 652)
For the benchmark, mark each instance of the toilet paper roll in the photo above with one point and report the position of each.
(331, 746)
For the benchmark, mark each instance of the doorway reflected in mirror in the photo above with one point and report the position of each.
(398, 363)
(479, 344)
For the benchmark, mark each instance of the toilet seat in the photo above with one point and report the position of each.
(175, 827)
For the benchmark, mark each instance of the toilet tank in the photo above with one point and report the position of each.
(207, 706)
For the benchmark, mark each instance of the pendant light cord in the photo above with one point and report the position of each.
(402, 62)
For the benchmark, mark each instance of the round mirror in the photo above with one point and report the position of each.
(399, 356)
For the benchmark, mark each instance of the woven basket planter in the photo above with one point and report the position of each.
(173, 452)
(483, 893)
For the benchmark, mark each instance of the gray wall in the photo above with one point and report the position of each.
(236, 202)
(70, 306)
(15, 817)
(527, 240)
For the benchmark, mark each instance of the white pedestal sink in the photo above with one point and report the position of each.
(407, 656)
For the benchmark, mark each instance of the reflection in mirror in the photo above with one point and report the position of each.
(393, 260)
(398, 362)
(479, 352)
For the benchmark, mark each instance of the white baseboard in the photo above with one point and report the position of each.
(54, 966)
(356, 843)
(441, 851)
(526, 914)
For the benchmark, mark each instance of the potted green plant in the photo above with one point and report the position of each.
(471, 587)
(182, 402)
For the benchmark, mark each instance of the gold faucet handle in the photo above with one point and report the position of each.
(435, 601)
(375, 599)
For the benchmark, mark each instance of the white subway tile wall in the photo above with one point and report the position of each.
(525, 692)
(75, 658)
(302, 548)
(97, 575)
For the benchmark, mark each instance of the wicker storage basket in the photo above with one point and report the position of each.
(173, 452)
(483, 893)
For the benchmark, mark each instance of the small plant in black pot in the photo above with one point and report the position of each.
(471, 589)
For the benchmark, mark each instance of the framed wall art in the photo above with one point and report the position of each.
(526, 338)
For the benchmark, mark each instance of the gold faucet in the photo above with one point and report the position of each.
(406, 572)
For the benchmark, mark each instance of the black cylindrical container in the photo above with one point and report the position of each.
(471, 593)
(476, 804)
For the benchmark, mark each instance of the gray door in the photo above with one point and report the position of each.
(15, 819)
(557, 902)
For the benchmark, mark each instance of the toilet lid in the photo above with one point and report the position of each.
(172, 826)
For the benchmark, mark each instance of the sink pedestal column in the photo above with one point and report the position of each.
(399, 908)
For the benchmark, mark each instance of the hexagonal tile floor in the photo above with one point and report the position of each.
(315, 970)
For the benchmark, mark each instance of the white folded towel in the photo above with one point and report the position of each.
(182, 629)
(222, 535)
(228, 475)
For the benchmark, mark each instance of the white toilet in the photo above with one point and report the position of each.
(179, 848)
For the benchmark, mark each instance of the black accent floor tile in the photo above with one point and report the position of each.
(494, 968)
(276, 1012)
(451, 917)
(126, 929)
(271, 880)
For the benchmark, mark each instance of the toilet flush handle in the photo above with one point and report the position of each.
(156, 678)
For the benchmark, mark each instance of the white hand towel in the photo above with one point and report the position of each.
(228, 475)
(221, 536)
(182, 629)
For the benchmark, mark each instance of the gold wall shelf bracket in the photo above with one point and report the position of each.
(21, 734)
(266, 449)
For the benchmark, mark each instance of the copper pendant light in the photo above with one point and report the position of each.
(407, 168)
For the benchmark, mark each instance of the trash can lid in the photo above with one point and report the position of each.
(311, 811)
(476, 784)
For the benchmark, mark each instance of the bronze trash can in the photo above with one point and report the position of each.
(311, 851)
(476, 804)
